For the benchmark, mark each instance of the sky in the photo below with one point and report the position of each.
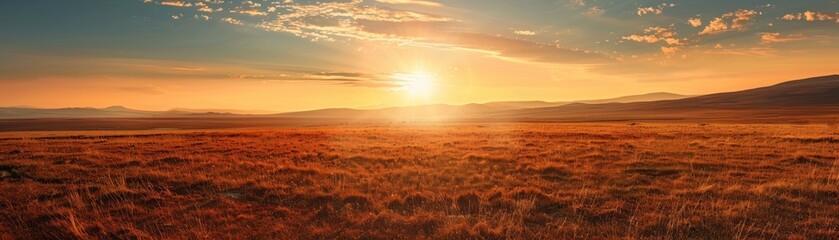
(290, 55)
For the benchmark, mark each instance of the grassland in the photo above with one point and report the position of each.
(457, 181)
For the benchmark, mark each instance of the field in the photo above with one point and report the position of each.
(408, 181)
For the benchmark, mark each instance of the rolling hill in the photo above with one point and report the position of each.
(818, 95)
(541, 104)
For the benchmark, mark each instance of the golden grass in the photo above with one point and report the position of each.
(456, 181)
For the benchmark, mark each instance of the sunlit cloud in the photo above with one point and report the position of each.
(251, 12)
(209, 9)
(654, 10)
(811, 16)
(733, 21)
(175, 3)
(328, 21)
(695, 22)
(654, 35)
(232, 21)
(524, 33)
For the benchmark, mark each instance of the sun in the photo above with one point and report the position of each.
(415, 84)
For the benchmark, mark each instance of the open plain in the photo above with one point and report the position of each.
(435, 181)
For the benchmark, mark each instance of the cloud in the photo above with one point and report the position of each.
(654, 10)
(355, 10)
(732, 21)
(209, 9)
(175, 3)
(521, 50)
(359, 20)
(151, 90)
(333, 20)
(695, 22)
(251, 12)
(659, 34)
(777, 37)
(669, 50)
(750, 51)
(524, 33)
(232, 21)
(201, 17)
(654, 35)
(811, 16)
(341, 78)
(595, 11)
(416, 2)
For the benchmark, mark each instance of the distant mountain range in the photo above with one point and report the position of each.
(819, 95)
(392, 112)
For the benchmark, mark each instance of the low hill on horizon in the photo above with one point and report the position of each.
(90, 112)
(813, 96)
(407, 112)
(472, 110)
(657, 96)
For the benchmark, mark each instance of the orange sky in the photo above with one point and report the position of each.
(262, 55)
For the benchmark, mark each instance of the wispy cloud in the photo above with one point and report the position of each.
(747, 51)
(151, 90)
(133, 68)
(357, 20)
(328, 21)
(174, 3)
(777, 37)
(417, 2)
(520, 49)
(379, 80)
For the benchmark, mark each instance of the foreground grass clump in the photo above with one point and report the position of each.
(531, 181)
